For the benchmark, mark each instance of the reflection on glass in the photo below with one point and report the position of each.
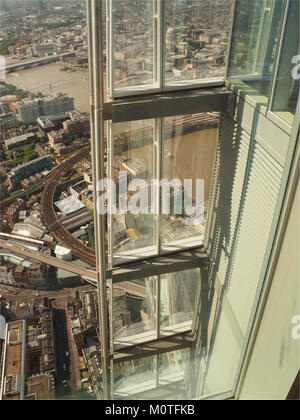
(177, 300)
(133, 43)
(188, 373)
(134, 311)
(196, 39)
(254, 45)
(288, 82)
(134, 376)
(209, 366)
(133, 161)
(181, 135)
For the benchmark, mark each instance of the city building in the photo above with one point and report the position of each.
(78, 125)
(42, 50)
(29, 110)
(28, 370)
(19, 140)
(25, 170)
(8, 121)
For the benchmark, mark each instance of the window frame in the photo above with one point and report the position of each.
(272, 114)
(266, 108)
(157, 267)
(159, 85)
(158, 107)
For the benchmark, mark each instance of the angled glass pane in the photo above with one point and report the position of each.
(196, 41)
(134, 312)
(205, 370)
(255, 39)
(134, 376)
(189, 147)
(287, 86)
(132, 44)
(132, 169)
(177, 300)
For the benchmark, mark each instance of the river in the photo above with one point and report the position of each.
(50, 79)
(193, 153)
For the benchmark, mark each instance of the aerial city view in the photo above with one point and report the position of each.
(50, 345)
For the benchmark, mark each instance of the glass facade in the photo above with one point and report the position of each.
(287, 85)
(177, 300)
(134, 311)
(181, 134)
(255, 38)
(165, 45)
(147, 309)
(160, 191)
(189, 373)
(132, 164)
(133, 43)
(196, 41)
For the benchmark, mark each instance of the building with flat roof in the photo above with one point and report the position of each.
(25, 170)
(19, 140)
(23, 343)
(30, 110)
(8, 121)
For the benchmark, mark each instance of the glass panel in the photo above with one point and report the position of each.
(254, 45)
(196, 40)
(177, 300)
(134, 376)
(183, 217)
(288, 80)
(133, 43)
(134, 312)
(204, 371)
(133, 167)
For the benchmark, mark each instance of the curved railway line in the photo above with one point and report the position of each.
(50, 218)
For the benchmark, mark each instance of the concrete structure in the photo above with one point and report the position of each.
(63, 253)
(21, 172)
(2, 327)
(44, 50)
(31, 63)
(78, 125)
(24, 344)
(8, 121)
(19, 140)
(30, 110)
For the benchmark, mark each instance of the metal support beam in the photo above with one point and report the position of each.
(94, 17)
(160, 265)
(167, 104)
(157, 347)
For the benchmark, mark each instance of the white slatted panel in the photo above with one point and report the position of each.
(226, 194)
(244, 195)
(256, 218)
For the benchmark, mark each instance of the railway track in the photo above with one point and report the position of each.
(50, 218)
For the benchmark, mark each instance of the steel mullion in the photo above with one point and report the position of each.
(229, 51)
(158, 280)
(110, 48)
(162, 8)
(278, 56)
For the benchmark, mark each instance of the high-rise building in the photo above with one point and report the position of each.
(30, 110)
(201, 303)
